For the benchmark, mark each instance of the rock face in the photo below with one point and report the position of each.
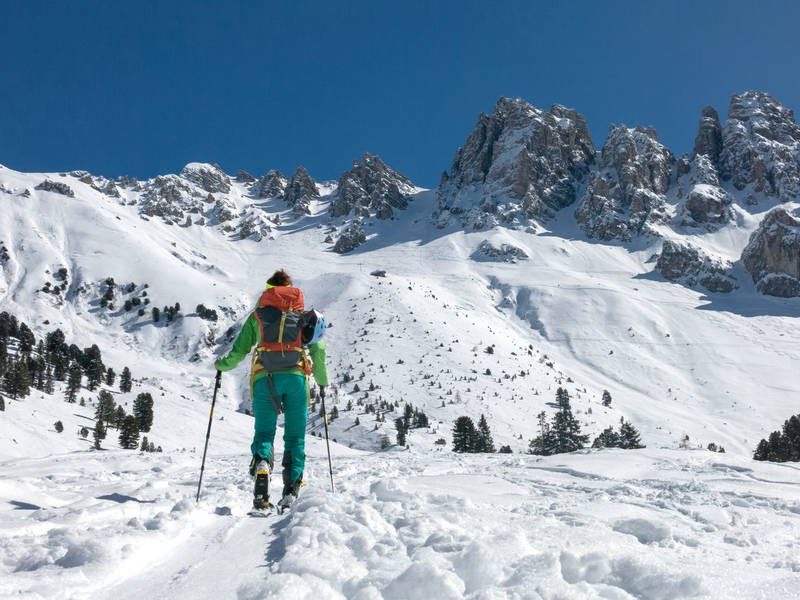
(773, 254)
(709, 135)
(351, 238)
(56, 187)
(689, 265)
(371, 188)
(519, 163)
(271, 185)
(209, 177)
(300, 191)
(504, 253)
(168, 197)
(244, 177)
(705, 203)
(626, 194)
(761, 147)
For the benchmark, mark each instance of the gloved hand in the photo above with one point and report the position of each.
(322, 392)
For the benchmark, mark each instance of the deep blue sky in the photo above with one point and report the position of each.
(142, 88)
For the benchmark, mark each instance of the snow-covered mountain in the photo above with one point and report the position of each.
(539, 262)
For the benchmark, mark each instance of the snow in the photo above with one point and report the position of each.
(677, 524)
(420, 523)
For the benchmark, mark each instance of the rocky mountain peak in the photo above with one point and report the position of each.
(300, 191)
(209, 177)
(709, 135)
(761, 147)
(626, 193)
(271, 185)
(371, 188)
(518, 163)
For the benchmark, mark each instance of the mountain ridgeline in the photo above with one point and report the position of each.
(522, 168)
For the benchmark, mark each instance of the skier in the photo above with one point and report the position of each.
(281, 331)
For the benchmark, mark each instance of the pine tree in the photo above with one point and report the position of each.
(145, 447)
(106, 407)
(125, 381)
(505, 450)
(143, 411)
(59, 426)
(17, 380)
(408, 414)
(629, 436)
(762, 450)
(485, 442)
(93, 366)
(542, 444)
(99, 433)
(464, 435)
(608, 438)
(357, 422)
(400, 425)
(119, 417)
(606, 398)
(791, 436)
(73, 382)
(129, 433)
(26, 339)
(111, 376)
(84, 432)
(334, 413)
(2, 404)
(156, 314)
(49, 384)
(566, 430)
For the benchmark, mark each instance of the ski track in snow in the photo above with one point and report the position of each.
(660, 524)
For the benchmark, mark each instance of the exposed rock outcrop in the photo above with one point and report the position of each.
(371, 188)
(519, 163)
(772, 255)
(504, 253)
(689, 265)
(244, 177)
(350, 239)
(709, 135)
(761, 147)
(168, 197)
(300, 191)
(57, 187)
(271, 185)
(705, 203)
(209, 177)
(626, 194)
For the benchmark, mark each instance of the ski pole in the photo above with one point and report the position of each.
(327, 442)
(217, 384)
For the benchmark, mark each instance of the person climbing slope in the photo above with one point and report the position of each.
(288, 349)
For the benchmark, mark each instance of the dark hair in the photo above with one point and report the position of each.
(280, 277)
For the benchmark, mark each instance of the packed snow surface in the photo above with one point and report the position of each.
(597, 524)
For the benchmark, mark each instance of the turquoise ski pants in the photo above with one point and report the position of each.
(292, 390)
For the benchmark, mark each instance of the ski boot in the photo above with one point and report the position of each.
(290, 491)
(260, 469)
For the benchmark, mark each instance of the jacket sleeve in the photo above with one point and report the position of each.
(248, 337)
(318, 357)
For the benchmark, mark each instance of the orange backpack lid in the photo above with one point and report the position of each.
(283, 298)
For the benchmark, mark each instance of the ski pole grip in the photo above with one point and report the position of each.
(219, 377)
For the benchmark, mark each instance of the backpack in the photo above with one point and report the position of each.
(281, 320)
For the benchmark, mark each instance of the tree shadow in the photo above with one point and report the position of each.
(122, 499)
(23, 505)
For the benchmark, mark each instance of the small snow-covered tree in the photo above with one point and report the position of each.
(59, 426)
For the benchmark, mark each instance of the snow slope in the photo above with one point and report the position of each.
(610, 524)
(588, 316)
